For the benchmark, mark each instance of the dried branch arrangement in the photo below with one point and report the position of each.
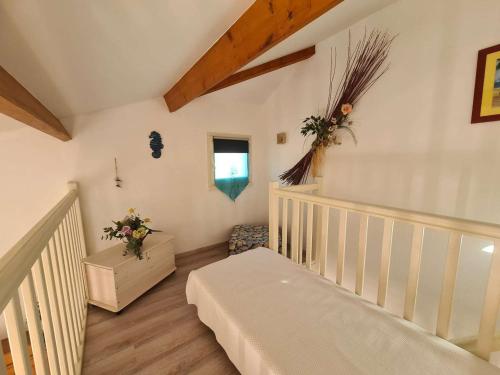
(364, 66)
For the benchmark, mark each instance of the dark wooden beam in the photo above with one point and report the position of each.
(265, 68)
(262, 26)
(18, 103)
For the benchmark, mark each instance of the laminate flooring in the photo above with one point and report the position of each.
(159, 333)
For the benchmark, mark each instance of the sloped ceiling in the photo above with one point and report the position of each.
(81, 56)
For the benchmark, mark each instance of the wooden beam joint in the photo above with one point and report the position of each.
(264, 24)
(265, 68)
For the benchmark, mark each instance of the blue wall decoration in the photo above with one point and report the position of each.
(156, 144)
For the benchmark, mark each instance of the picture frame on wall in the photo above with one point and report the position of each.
(486, 105)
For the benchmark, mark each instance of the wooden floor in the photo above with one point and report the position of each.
(158, 333)
(7, 357)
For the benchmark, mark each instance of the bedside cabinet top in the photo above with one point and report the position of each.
(113, 256)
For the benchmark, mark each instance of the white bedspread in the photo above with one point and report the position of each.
(275, 317)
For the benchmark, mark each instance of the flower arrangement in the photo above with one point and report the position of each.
(132, 230)
(364, 66)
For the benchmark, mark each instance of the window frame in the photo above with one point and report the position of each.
(211, 156)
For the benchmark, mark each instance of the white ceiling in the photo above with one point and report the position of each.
(79, 56)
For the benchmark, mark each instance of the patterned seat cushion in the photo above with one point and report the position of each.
(247, 236)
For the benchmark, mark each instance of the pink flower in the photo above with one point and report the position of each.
(126, 230)
(346, 109)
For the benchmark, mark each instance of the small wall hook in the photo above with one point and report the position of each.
(117, 179)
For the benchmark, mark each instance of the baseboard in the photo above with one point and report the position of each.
(199, 250)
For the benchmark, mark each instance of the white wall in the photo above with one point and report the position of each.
(417, 149)
(35, 169)
(172, 190)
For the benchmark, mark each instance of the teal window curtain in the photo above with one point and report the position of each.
(231, 166)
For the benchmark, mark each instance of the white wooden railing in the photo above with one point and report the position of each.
(42, 283)
(316, 227)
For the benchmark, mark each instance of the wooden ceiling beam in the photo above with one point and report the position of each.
(265, 68)
(18, 103)
(263, 25)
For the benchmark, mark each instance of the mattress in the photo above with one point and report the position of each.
(272, 316)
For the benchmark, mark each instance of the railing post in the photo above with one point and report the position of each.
(74, 255)
(301, 231)
(361, 261)
(74, 186)
(64, 361)
(448, 288)
(63, 297)
(82, 253)
(323, 247)
(317, 235)
(34, 326)
(414, 272)
(284, 228)
(385, 261)
(46, 315)
(309, 240)
(295, 230)
(341, 246)
(273, 217)
(17, 336)
(70, 279)
(491, 307)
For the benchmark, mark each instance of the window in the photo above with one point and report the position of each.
(229, 163)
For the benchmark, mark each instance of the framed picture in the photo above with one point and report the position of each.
(486, 106)
(281, 138)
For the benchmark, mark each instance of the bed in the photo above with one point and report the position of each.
(274, 314)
